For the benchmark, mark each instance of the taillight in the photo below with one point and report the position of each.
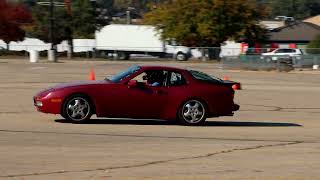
(236, 86)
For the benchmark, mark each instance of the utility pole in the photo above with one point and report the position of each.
(129, 14)
(94, 6)
(52, 52)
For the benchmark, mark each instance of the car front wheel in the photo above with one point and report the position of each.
(192, 113)
(77, 109)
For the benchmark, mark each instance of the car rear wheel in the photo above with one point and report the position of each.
(77, 109)
(181, 56)
(123, 55)
(192, 113)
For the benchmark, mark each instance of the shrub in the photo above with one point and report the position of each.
(314, 46)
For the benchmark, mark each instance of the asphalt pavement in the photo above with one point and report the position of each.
(275, 135)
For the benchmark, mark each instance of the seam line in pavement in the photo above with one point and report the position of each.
(282, 109)
(145, 136)
(157, 162)
(15, 112)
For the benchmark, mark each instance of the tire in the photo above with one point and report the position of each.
(181, 56)
(192, 113)
(77, 109)
(269, 59)
(123, 56)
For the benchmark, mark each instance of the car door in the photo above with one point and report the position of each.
(141, 101)
(177, 93)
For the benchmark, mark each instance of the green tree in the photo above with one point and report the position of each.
(79, 24)
(83, 20)
(314, 46)
(299, 9)
(62, 24)
(207, 22)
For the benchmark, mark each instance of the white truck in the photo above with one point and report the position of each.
(125, 40)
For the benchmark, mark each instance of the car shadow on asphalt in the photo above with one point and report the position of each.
(173, 123)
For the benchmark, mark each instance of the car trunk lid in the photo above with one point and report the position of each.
(234, 85)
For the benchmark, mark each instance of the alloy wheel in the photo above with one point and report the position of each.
(193, 112)
(78, 109)
(181, 57)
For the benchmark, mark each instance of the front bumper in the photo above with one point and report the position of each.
(47, 104)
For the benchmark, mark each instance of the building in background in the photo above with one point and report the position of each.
(314, 20)
(297, 35)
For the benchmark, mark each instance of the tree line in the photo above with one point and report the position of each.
(189, 22)
(298, 9)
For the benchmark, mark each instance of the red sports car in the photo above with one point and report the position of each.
(143, 92)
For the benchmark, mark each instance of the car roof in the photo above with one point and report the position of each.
(287, 48)
(169, 68)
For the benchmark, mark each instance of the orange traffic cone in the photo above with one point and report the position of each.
(225, 78)
(92, 75)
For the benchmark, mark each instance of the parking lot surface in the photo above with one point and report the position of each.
(275, 135)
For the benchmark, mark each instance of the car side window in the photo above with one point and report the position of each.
(280, 51)
(140, 78)
(176, 79)
(289, 50)
(155, 78)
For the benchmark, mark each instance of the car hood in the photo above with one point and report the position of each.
(79, 83)
(69, 85)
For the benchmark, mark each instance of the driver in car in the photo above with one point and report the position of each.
(155, 79)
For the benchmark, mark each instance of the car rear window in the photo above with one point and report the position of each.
(204, 77)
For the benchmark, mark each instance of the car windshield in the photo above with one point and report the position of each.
(118, 77)
(204, 77)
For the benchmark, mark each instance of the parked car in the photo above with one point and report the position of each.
(282, 52)
(284, 18)
(143, 92)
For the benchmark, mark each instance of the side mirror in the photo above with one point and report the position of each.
(132, 84)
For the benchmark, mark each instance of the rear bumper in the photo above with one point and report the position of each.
(235, 107)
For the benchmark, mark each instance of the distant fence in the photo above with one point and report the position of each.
(230, 58)
(258, 62)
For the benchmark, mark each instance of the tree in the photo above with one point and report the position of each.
(103, 12)
(299, 9)
(12, 18)
(62, 24)
(207, 22)
(75, 21)
(83, 20)
(79, 24)
(314, 46)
